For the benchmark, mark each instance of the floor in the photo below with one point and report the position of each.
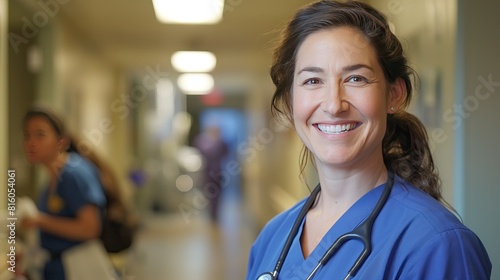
(171, 247)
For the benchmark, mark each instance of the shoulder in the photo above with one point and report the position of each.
(271, 239)
(80, 179)
(419, 219)
(427, 230)
(423, 208)
(284, 220)
(77, 162)
(78, 168)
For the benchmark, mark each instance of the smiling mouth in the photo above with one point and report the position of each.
(338, 128)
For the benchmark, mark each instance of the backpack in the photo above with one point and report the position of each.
(117, 232)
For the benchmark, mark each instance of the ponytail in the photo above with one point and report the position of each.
(406, 152)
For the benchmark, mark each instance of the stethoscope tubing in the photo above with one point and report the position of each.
(361, 232)
(295, 230)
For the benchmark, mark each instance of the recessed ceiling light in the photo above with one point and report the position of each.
(193, 61)
(196, 83)
(189, 11)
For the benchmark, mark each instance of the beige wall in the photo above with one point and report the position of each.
(87, 86)
(3, 117)
(478, 92)
(270, 157)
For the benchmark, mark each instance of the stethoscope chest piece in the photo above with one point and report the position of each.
(266, 276)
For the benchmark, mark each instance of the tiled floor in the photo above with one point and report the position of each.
(168, 247)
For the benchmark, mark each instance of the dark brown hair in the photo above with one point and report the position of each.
(405, 144)
(54, 119)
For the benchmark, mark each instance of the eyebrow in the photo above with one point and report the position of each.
(356, 67)
(348, 68)
(312, 69)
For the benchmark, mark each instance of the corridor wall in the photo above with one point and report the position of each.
(478, 94)
(3, 115)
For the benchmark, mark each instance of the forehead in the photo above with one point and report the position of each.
(340, 45)
(38, 123)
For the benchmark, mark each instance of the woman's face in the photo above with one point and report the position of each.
(41, 143)
(340, 98)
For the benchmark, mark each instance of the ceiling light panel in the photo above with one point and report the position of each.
(189, 11)
(193, 61)
(196, 83)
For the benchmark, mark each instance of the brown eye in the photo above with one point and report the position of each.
(313, 81)
(357, 79)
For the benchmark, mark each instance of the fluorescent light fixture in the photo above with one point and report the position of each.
(187, 61)
(189, 11)
(196, 83)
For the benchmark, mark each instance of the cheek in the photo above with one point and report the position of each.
(47, 146)
(301, 106)
(53, 145)
(374, 111)
(372, 106)
(296, 111)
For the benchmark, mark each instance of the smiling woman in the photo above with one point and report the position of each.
(343, 82)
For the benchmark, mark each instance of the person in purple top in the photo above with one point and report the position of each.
(213, 149)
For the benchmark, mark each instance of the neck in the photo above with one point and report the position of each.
(342, 187)
(54, 166)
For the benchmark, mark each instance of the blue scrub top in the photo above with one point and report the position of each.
(414, 237)
(78, 186)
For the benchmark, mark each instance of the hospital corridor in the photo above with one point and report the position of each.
(161, 121)
(169, 247)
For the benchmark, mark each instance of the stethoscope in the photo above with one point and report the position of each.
(362, 232)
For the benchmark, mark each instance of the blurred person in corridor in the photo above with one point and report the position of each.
(72, 204)
(213, 149)
(377, 213)
(121, 220)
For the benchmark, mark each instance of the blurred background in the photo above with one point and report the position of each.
(107, 67)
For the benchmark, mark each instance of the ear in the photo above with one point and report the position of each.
(64, 143)
(397, 96)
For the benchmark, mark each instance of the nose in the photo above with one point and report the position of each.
(28, 142)
(334, 101)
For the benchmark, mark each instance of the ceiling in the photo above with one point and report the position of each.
(128, 35)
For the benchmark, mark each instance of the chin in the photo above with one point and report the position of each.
(32, 160)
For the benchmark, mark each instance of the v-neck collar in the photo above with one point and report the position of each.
(355, 215)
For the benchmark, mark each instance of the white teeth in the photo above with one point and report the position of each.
(336, 129)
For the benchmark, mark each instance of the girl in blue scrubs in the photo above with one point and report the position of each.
(342, 80)
(72, 205)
